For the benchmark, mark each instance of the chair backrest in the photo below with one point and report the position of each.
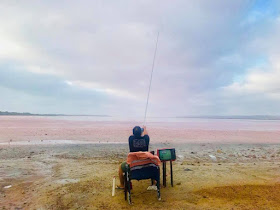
(143, 165)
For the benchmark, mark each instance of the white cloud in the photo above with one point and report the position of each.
(263, 79)
(98, 88)
(258, 82)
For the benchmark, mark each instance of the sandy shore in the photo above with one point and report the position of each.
(79, 176)
(51, 163)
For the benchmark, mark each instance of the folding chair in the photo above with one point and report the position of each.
(141, 172)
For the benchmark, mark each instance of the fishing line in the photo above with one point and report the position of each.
(151, 78)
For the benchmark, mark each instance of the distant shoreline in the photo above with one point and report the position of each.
(237, 117)
(48, 115)
(230, 117)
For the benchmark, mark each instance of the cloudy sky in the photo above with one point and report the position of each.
(94, 57)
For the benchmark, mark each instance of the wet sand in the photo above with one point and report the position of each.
(57, 173)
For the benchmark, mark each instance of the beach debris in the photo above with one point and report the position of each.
(180, 156)
(187, 169)
(8, 186)
(250, 156)
(66, 181)
(213, 157)
(114, 186)
(152, 187)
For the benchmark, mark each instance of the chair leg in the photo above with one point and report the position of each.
(158, 192)
(158, 186)
(127, 180)
(128, 190)
(125, 186)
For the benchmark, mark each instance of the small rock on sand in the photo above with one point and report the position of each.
(8, 186)
(213, 157)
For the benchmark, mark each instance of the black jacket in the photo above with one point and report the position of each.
(139, 143)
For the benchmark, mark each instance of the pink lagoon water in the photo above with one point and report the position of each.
(112, 129)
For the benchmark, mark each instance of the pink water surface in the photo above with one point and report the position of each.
(94, 129)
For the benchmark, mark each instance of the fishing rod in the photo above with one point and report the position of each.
(151, 78)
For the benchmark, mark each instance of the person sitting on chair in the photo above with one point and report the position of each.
(137, 142)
